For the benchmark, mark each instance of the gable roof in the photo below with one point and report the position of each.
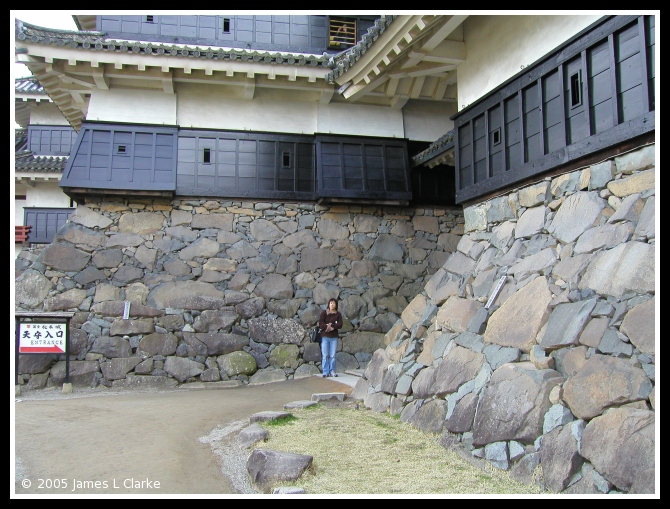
(441, 151)
(415, 57)
(26, 91)
(28, 86)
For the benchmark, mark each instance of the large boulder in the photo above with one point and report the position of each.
(267, 467)
(513, 405)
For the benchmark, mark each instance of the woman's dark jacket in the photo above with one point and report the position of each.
(335, 319)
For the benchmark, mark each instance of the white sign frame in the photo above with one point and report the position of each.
(39, 337)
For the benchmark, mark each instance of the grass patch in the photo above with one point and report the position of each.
(352, 455)
(281, 421)
(383, 424)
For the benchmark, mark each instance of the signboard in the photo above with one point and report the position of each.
(496, 290)
(39, 333)
(42, 337)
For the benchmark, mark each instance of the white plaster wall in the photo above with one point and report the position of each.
(427, 121)
(360, 119)
(136, 106)
(203, 106)
(18, 218)
(46, 113)
(46, 194)
(43, 194)
(281, 111)
(18, 212)
(497, 46)
(224, 107)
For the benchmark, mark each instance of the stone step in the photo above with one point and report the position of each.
(324, 396)
(302, 403)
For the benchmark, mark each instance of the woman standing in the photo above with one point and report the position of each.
(329, 323)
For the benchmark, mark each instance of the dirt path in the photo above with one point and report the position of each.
(137, 442)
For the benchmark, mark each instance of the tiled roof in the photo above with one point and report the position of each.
(341, 62)
(26, 162)
(442, 144)
(20, 139)
(98, 41)
(28, 85)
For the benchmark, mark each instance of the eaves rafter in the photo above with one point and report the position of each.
(69, 64)
(398, 59)
(98, 41)
(406, 53)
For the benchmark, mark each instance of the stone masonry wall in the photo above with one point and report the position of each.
(552, 378)
(520, 331)
(224, 292)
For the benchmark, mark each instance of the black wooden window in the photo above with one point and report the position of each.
(433, 186)
(45, 222)
(362, 168)
(122, 157)
(649, 50)
(241, 164)
(51, 140)
(341, 32)
(265, 32)
(496, 137)
(496, 163)
(552, 112)
(576, 89)
(590, 94)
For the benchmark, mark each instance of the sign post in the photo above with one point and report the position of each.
(496, 290)
(40, 333)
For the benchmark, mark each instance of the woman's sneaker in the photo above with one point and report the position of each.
(333, 374)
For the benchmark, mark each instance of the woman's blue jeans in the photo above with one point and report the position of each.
(328, 351)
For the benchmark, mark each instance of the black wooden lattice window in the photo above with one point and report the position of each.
(496, 136)
(576, 89)
(590, 95)
(44, 222)
(342, 32)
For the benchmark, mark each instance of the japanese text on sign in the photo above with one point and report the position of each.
(42, 337)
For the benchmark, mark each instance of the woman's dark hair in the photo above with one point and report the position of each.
(332, 300)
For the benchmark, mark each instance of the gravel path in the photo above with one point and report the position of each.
(186, 438)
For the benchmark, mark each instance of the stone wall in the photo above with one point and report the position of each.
(552, 377)
(224, 292)
(520, 330)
